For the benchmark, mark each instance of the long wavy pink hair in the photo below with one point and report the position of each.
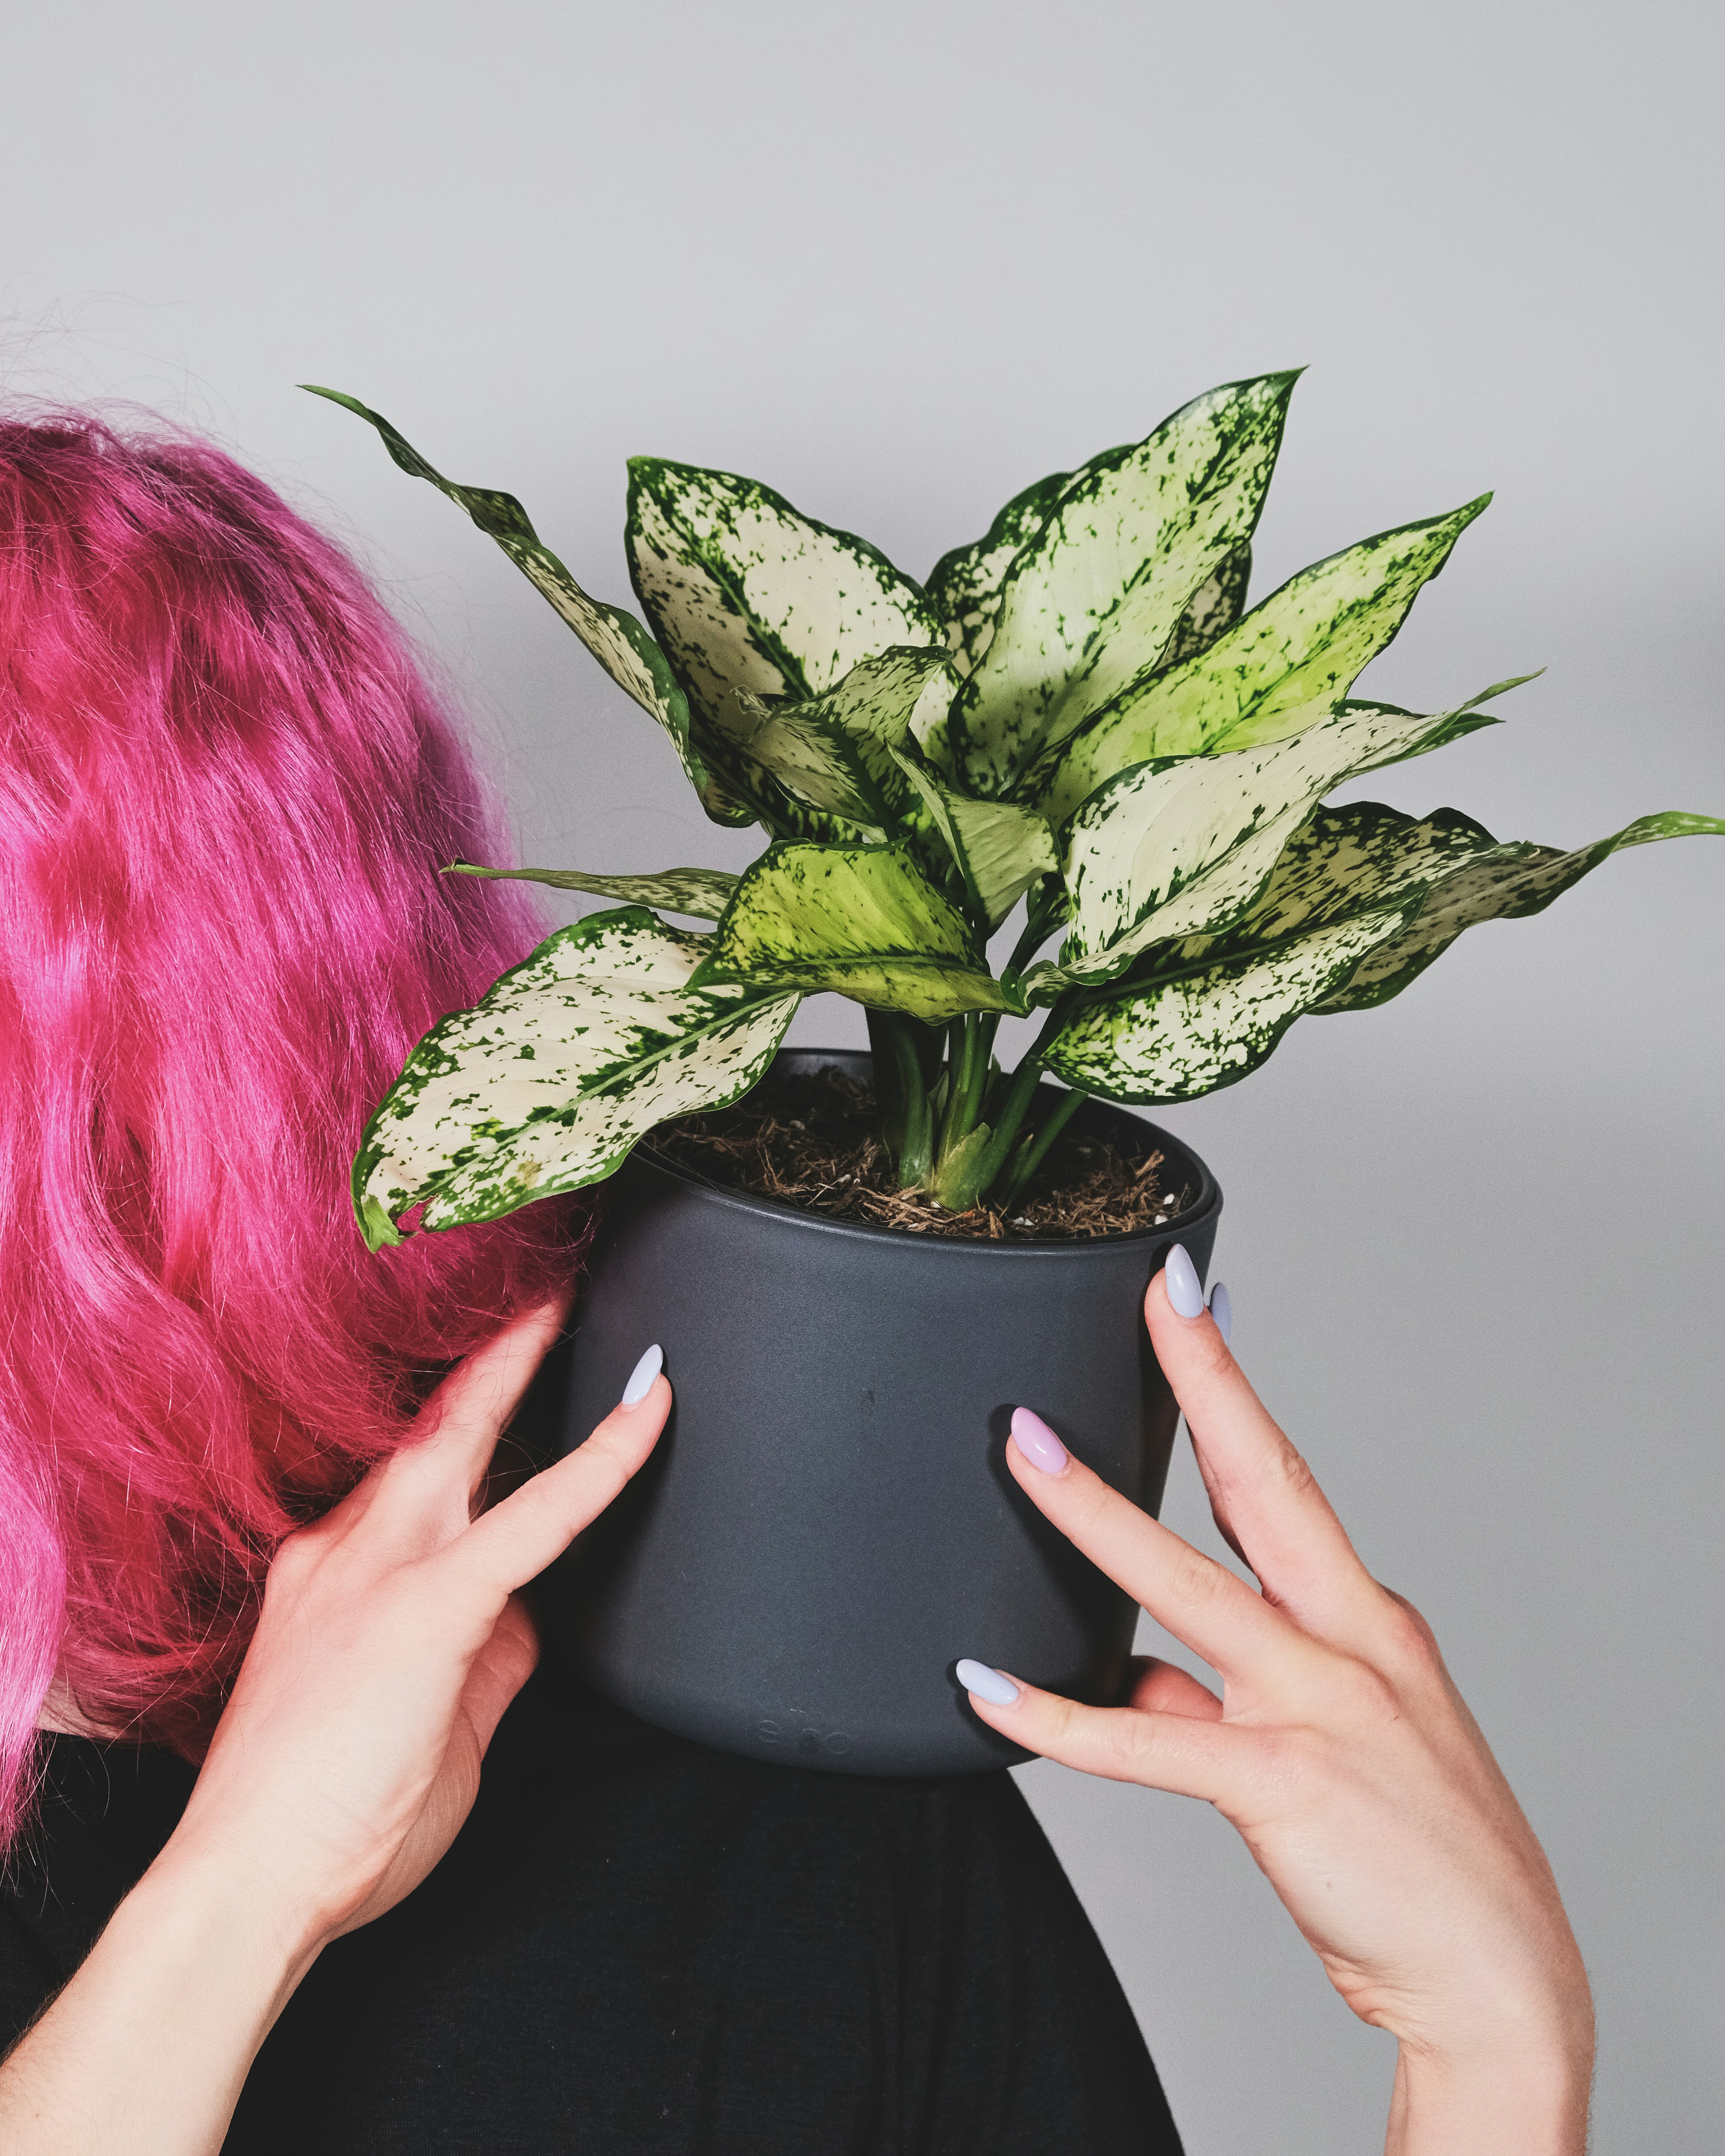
(225, 795)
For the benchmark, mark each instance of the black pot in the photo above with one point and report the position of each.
(828, 1524)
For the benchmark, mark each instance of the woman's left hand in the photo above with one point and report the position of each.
(1343, 1753)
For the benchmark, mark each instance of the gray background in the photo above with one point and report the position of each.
(901, 260)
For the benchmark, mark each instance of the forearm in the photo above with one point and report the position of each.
(146, 2049)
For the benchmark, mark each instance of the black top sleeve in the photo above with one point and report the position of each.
(638, 1947)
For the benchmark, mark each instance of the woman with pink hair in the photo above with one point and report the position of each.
(260, 1607)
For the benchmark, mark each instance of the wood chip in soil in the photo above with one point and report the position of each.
(811, 1139)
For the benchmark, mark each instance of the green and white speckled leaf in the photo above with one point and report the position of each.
(611, 633)
(862, 920)
(746, 592)
(1363, 900)
(999, 850)
(1499, 882)
(1089, 604)
(964, 586)
(570, 1060)
(1346, 887)
(702, 894)
(1211, 612)
(835, 752)
(1174, 1040)
(1281, 669)
(1170, 850)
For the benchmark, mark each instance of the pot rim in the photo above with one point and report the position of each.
(1208, 1201)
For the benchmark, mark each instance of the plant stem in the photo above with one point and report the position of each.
(1036, 1151)
(1018, 1096)
(916, 1149)
(1040, 923)
(968, 1044)
(884, 1027)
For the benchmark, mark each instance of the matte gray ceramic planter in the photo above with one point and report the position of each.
(828, 1523)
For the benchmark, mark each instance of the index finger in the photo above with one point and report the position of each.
(466, 1415)
(1264, 1496)
(515, 1540)
(1189, 1594)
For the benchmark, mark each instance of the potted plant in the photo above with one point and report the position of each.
(1076, 722)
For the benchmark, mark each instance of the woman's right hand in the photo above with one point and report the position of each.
(1341, 1750)
(390, 1640)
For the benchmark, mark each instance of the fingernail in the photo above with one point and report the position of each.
(640, 1378)
(985, 1683)
(1180, 1278)
(1222, 1309)
(1038, 1442)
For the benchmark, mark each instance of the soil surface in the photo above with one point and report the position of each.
(813, 1139)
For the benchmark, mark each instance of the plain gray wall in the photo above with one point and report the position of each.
(899, 260)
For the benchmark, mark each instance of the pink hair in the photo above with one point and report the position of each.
(225, 795)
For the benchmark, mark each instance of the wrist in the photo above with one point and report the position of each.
(218, 1893)
(1527, 2096)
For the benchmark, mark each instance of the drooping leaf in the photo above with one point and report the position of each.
(1281, 669)
(1173, 1038)
(862, 920)
(1180, 849)
(1500, 882)
(1089, 603)
(964, 586)
(611, 633)
(571, 1057)
(1361, 900)
(836, 751)
(703, 894)
(999, 850)
(1203, 1011)
(746, 592)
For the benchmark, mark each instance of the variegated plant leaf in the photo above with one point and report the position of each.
(1282, 668)
(964, 586)
(1204, 1010)
(862, 920)
(835, 752)
(999, 850)
(746, 592)
(702, 894)
(571, 1057)
(1211, 611)
(1500, 882)
(1169, 850)
(1088, 605)
(1363, 900)
(611, 633)
(1176, 1038)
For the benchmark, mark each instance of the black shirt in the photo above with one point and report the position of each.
(638, 1947)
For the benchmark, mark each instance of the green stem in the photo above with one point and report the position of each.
(967, 1079)
(916, 1147)
(1039, 925)
(883, 1055)
(1025, 949)
(1036, 1152)
(1019, 1094)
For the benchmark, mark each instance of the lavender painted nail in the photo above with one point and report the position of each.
(985, 1683)
(640, 1378)
(1038, 1442)
(1180, 1278)
(1222, 1309)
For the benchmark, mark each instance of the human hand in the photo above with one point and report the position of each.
(1341, 1750)
(390, 1641)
